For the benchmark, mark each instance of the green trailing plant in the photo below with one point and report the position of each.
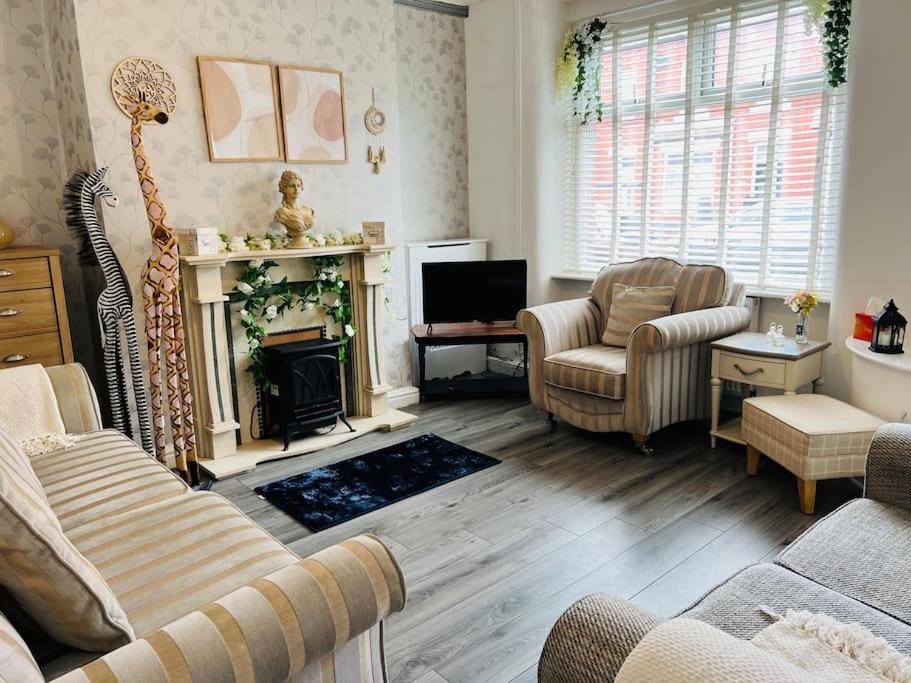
(264, 300)
(579, 70)
(832, 18)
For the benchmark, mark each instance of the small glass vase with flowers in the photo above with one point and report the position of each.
(802, 303)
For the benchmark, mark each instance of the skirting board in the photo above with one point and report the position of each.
(403, 397)
(249, 455)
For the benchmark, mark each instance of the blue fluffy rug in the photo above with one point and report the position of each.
(327, 496)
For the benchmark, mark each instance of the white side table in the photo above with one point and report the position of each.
(749, 358)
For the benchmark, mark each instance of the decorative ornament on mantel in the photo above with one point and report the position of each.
(298, 219)
(832, 19)
(579, 69)
(375, 122)
(888, 330)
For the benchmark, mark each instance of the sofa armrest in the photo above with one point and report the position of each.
(552, 328)
(275, 627)
(75, 397)
(592, 639)
(683, 329)
(889, 466)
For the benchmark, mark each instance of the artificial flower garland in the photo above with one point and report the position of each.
(264, 300)
(833, 20)
(579, 69)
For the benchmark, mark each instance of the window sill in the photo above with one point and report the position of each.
(752, 291)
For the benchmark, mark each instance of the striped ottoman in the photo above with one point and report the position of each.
(813, 436)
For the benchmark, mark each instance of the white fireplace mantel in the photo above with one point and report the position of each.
(203, 299)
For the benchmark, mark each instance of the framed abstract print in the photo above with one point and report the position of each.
(241, 111)
(313, 115)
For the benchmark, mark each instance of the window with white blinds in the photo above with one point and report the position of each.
(720, 143)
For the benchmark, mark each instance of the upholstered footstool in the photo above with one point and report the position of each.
(813, 436)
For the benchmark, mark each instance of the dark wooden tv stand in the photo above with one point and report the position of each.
(458, 334)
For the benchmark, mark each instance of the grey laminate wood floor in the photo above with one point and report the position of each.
(492, 560)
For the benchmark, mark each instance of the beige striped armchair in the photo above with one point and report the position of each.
(660, 378)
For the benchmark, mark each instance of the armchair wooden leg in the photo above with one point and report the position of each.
(752, 460)
(806, 491)
(641, 441)
(550, 417)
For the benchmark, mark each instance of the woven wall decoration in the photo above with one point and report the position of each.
(137, 76)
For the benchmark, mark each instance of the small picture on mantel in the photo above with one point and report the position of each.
(374, 232)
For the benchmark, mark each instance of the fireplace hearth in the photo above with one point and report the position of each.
(307, 388)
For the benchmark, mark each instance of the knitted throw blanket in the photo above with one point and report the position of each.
(29, 411)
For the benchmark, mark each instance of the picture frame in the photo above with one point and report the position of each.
(374, 232)
(241, 109)
(313, 114)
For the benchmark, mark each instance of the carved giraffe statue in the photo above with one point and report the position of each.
(164, 319)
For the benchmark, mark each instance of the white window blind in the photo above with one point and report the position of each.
(720, 143)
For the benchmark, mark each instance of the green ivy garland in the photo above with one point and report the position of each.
(579, 69)
(264, 300)
(835, 38)
(833, 20)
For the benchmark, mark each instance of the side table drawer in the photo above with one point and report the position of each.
(35, 348)
(24, 273)
(30, 311)
(751, 370)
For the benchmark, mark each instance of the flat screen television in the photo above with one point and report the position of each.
(469, 291)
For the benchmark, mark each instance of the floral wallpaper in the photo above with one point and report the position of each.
(356, 36)
(57, 114)
(430, 51)
(34, 162)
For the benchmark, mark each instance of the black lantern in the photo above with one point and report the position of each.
(888, 330)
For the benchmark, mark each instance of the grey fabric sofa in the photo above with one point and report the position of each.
(852, 565)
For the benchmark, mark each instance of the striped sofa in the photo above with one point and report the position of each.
(209, 595)
(661, 377)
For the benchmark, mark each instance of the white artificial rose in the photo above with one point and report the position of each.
(309, 306)
(341, 284)
(337, 303)
(322, 275)
(254, 344)
(237, 244)
(243, 287)
(256, 263)
(349, 330)
(244, 314)
(271, 312)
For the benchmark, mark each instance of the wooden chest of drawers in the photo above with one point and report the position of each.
(33, 323)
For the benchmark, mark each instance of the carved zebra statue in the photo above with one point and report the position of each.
(115, 304)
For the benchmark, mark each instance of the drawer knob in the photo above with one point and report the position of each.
(9, 312)
(747, 373)
(6, 273)
(16, 358)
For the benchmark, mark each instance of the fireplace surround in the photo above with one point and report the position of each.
(206, 282)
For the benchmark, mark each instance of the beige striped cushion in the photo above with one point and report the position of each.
(598, 370)
(16, 662)
(631, 306)
(167, 559)
(702, 286)
(104, 474)
(49, 578)
(645, 272)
